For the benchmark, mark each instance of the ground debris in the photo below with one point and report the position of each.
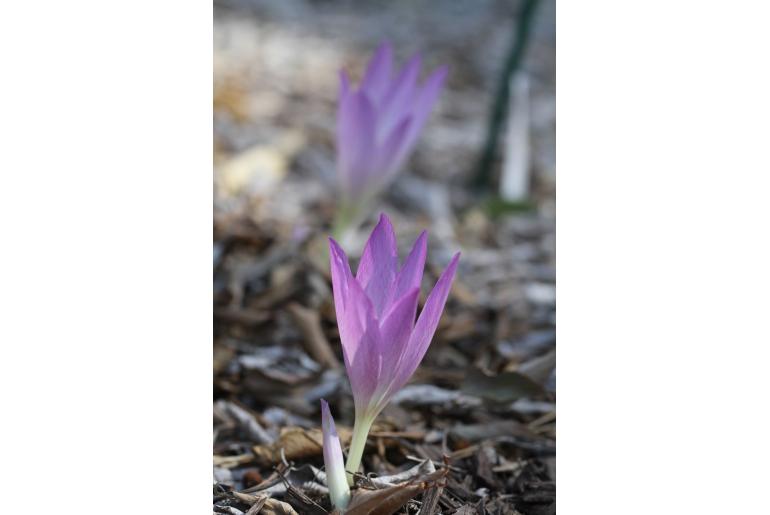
(295, 443)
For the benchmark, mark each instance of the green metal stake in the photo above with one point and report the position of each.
(523, 27)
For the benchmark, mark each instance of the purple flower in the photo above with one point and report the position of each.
(333, 460)
(381, 342)
(378, 125)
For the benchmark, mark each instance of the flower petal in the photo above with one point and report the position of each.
(363, 360)
(423, 105)
(391, 153)
(341, 275)
(359, 329)
(379, 263)
(397, 102)
(424, 329)
(377, 76)
(410, 274)
(356, 126)
(396, 328)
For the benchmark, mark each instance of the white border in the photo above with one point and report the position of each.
(106, 212)
(662, 257)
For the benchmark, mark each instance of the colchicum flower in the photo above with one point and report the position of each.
(339, 492)
(381, 343)
(377, 127)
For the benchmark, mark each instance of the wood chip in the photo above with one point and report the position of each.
(315, 343)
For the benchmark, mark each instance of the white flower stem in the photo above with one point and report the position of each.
(355, 453)
(339, 491)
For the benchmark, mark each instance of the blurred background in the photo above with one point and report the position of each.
(481, 180)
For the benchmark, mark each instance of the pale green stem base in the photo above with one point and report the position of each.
(344, 220)
(339, 491)
(355, 453)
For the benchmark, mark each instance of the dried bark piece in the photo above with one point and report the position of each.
(422, 469)
(486, 458)
(303, 503)
(539, 369)
(472, 433)
(504, 387)
(316, 344)
(246, 421)
(430, 500)
(264, 504)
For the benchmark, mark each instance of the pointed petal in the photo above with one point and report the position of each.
(379, 263)
(397, 102)
(377, 76)
(424, 328)
(430, 90)
(339, 491)
(423, 105)
(354, 313)
(410, 275)
(388, 161)
(359, 330)
(403, 88)
(341, 275)
(396, 329)
(356, 127)
(363, 360)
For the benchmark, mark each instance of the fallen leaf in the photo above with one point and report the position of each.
(388, 500)
(296, 443)
(275, 507)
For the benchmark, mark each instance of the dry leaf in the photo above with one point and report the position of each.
(275, 507)
(297, 443)
(388, 500)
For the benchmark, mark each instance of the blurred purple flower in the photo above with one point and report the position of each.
(381, 343)
(378, 125)
(333, 460)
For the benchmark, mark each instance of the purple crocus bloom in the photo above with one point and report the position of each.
(381, 342)
(378, 124)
